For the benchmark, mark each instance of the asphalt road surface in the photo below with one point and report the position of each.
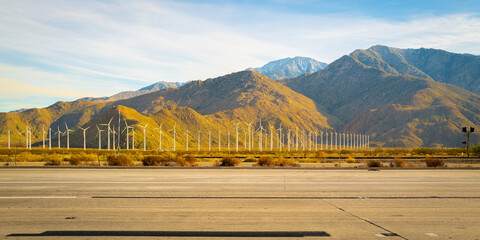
(52, 203)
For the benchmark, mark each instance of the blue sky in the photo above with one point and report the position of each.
(64, 50)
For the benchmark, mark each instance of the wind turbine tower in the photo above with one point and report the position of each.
(84, 138)
(68, 136)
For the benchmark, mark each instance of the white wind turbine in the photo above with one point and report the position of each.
(245, 141)
(9, 138)
(288, 139)
(316, 140)
(108, 133)
(249, 136)
(84, 137)
(58, 132)
(198, 137)
(159, 137)
(260, 139)
(128, 135)
(228, 140)
(186, 140)
(219, 140)
(49, 138)
(236, 137)
(144, 137)
(296, 136)
(209, 141)
(271, 136)
(99, 134)
(113, 136)
(174, 135)
(68, 136)
(43, 136)
(280, 137)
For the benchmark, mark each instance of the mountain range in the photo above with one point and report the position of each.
(400, 97)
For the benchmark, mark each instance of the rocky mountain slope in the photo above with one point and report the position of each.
(290, 67)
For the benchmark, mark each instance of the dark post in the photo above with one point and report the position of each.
(467, 132)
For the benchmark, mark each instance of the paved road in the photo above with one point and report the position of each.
(239, 203)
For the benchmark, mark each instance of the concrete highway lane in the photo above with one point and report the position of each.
(57, 203)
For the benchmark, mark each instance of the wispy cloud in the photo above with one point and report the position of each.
(99, 48)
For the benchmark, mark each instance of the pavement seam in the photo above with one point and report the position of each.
(363, 219)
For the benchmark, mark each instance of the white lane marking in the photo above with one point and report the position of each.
(223, 182)
(431, 234)
(30, 197)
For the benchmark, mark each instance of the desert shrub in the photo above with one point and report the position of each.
(85, 158)
(250, 160)
(53, 159)
(229, 162)
(266, 162)
(187, 161)
(399, 162)
(282, 162)
(434, 162)
(320, 155)
(350, 160)
(374, 163)
(151, 161)
(121, 160)
(75, 160)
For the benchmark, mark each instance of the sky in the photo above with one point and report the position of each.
(63, 50)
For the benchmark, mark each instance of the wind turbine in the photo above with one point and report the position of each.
(249, 136)
(260, 140)
(236, 137)
(198, 137)
(280, 137)
(108, 133)
(288, 139)
(68, 136)
(174, 135)
(159, 137)
(187, 140)
(113, 135)
(245, 141)
(296, 136)
(128, 135)
(219, 140)
(316, 140)
(9, 138)
(58, 132)
(43, 136)
(49, 138)
(144, 137)
(84, 137)
(271, 136)
(99, 134)
(228, 140)
(209, 140)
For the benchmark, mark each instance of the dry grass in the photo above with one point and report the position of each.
(266, 162)
(121, 160)
(53, 159)
(186, 161)
(434, 162)
(374, 163)
(229, 162)
(399, 162)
